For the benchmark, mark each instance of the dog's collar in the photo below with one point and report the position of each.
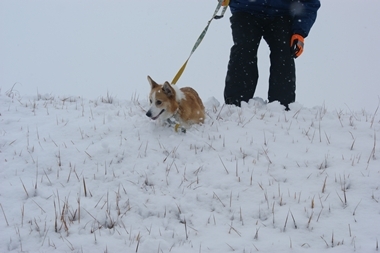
(175, 114)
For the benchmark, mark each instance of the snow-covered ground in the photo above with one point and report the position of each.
(88, 47)
(81, 175)
(82, 168)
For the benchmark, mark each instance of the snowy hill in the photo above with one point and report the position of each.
(81, 175)
(96, 175)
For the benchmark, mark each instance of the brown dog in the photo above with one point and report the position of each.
(168, 101)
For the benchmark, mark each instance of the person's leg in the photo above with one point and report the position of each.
(242, 73)
(282, 79)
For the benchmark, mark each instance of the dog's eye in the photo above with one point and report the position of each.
(158, 102)
(150, 100)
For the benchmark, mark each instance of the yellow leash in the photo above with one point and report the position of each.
(221, 3)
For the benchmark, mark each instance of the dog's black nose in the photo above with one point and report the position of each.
(149, 114)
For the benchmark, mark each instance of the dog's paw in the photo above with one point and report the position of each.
(172, 123)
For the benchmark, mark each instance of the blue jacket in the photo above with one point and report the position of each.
(303, 12)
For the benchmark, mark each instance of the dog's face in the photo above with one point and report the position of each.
(162, 99)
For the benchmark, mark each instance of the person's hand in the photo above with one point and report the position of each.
(225, 2)
(296, 45)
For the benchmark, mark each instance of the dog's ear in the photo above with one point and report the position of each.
(168, 89)
(153, 84)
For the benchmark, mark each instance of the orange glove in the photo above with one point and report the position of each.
(296, 45)
(226, 2)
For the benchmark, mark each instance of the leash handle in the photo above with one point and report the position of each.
(200, 38)
(225, 4)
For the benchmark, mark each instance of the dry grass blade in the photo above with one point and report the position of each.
(84, 186)
(311, 216)
(27, 194)
(340, 198)
(232, 228)
(223, 164)
(221, 109)
(349, 230)
(184, 221)
(219, 199)
(5, 217)
(319, 215)
(92, 216)
(138, 242)
(356, 207)
(325, 241)
(294, 220)
(230, 247)
(78, 209)
(286, 220)
(257, 233)
(374, 115)
(39, 206)
(324, 185)
(372, 155)
(267, 156)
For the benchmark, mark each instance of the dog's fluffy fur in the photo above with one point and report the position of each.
(168, 101)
